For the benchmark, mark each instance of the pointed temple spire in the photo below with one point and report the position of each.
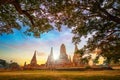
(51, 53)
(50, 59)
(34, 61)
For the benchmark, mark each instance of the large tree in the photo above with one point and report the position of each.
(83, 16)
(29, 12)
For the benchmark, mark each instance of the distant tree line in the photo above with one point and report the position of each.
(11, 65)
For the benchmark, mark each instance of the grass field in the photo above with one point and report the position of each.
(60, 75)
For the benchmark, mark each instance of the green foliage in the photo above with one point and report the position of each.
(96, 59)
(13, 12)
(14, 65)
(85, 60)
(3, 62)
(81, 51)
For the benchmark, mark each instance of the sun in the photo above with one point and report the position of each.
(56, 56)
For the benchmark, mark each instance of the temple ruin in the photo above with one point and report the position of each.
(63, 61)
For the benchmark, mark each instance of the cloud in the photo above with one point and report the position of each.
(41, 54)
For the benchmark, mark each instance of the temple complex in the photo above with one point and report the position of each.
(64, 61)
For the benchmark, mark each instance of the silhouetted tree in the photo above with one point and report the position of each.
(14, 66)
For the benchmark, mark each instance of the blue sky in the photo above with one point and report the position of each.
(19, 47)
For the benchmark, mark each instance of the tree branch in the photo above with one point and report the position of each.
(19, 9)
(2, 2)
(110, 17)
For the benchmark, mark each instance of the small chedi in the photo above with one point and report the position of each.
(33, 63)
(63, 61)
(50, 60)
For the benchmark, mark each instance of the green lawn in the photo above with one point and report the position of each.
(61, 75)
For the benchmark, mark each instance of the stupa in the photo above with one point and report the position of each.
(50, 60)
(63, 57)
(33, 60)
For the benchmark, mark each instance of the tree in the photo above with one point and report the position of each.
(3, 62)
(14, 66)
(14, 11)
(81, 52)
(83, 16)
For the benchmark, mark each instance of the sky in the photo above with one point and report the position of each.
(20, 48)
